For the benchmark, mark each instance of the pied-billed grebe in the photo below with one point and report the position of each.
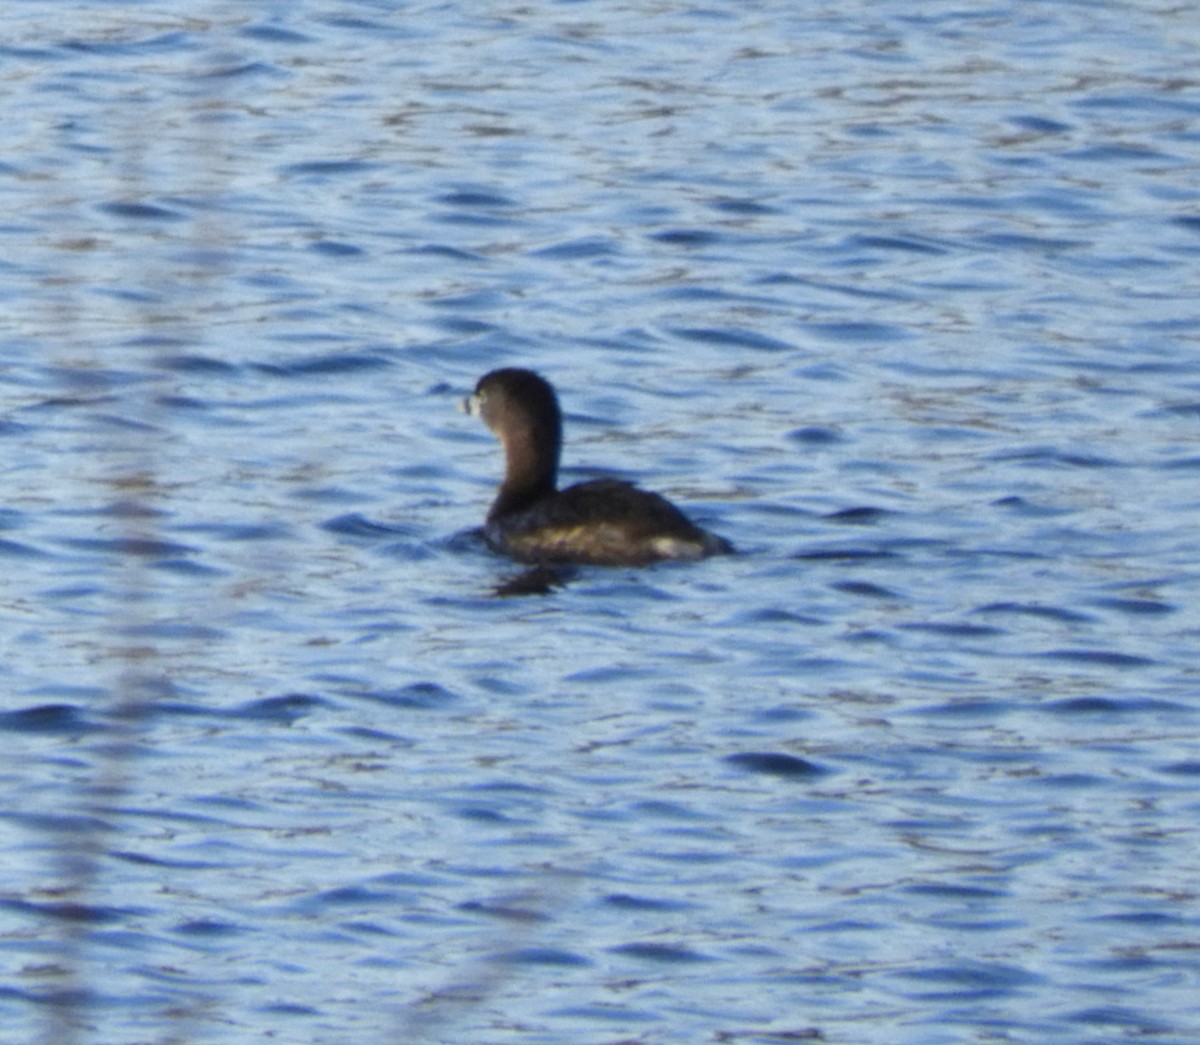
(604, 522)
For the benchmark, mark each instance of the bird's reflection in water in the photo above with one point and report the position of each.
(537, 580)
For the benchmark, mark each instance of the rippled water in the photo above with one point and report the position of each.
(902, 301)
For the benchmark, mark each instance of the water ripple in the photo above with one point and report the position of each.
(916, 327)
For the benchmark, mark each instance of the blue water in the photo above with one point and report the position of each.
(900, 300)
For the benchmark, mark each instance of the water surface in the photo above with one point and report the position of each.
(900, 301)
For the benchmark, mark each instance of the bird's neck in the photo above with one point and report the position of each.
(531, 473)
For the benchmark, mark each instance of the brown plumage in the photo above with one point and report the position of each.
(604, 522)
